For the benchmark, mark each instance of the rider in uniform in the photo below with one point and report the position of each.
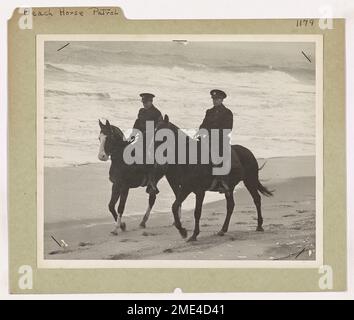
(148, 113)
(220, 117)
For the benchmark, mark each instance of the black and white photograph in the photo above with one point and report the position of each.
(115, 116)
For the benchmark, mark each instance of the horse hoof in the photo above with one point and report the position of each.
(260, 229)
(183, 233)
(142, 225)
(114, 232)
(123, 226)
(192, 239)
(221, 233)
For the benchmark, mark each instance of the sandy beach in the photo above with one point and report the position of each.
(75, 210)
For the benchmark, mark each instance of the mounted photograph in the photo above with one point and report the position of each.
(179, 151)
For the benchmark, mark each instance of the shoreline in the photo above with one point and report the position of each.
(301, 166)
(289, 219)
(75, 165)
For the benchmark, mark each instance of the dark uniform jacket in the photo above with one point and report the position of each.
(151, 114)
(117, 173)
(218, 118)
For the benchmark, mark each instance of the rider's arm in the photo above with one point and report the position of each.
(227, 120)
(136, 126)
(205, 124)
(158, 117)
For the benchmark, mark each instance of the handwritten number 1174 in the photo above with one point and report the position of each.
(305, 22)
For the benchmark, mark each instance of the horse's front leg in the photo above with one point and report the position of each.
(197, 214)
(114, 199)
(176, 189)
(123, 199)
(176, 210)
(152, 199)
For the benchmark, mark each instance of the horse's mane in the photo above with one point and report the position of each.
(175, 129)
(117, 132)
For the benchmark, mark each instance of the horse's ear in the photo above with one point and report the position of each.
(107, 123)
(166, 118)
(100, 123)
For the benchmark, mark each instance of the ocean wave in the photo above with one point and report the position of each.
(59, 69)
(247, 68)
(100, 95)
(51, 67)
(300, 140)
(274, 108)
(66, 71)
(178, 66)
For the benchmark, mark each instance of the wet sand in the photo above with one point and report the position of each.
(76, 211)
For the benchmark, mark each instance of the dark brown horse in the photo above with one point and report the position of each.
(198, 178)
(122, 175)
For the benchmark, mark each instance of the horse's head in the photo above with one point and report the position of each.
(163, 123)
(110, 138)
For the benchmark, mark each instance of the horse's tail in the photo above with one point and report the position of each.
(263, 190)
(249, 161)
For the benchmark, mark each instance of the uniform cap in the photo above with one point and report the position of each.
(147, 96)
(218, 94)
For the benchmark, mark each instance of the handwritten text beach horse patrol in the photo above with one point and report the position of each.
(69, 12)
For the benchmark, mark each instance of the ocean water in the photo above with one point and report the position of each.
(270, 87)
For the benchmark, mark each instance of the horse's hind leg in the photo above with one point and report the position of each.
(183, 194)
(197, 213)
(252, 188)
(121, 206)
(152, 198)
(230, 205)
(113, 201)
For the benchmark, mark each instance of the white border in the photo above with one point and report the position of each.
(46, 263)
